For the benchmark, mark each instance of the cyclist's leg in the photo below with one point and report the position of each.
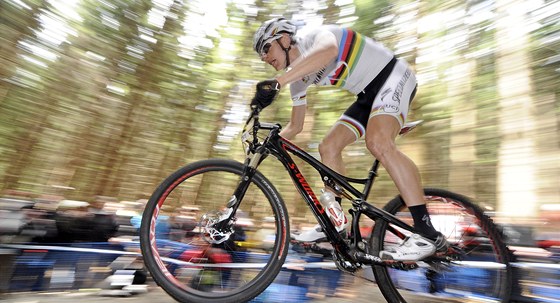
(350, 127)
(388, 114)
(380, 141)
(330, 150)
(333, 143)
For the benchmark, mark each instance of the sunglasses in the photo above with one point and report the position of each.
(266, 48)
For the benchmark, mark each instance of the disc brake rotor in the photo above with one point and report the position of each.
(210, 233)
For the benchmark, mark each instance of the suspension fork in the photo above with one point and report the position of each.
(250, 168)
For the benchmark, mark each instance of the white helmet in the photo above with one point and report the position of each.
(272, 30)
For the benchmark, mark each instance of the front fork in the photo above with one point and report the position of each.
(227, 217)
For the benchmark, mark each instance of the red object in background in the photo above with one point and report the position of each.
(213, 255)
(470, 230)
(548, 243)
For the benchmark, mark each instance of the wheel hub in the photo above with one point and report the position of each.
(209, 230)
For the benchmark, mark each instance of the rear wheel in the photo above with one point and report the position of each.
(481, 274)
(191, 256)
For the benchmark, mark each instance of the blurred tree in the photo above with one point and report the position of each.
(516, 157)
(544, 50)
(17, 23)
(484, 97)
(112, 32)
(20, 67)
(138, 158)
(110, 97)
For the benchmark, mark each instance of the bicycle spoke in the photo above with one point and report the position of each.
(478, 271)
(202, 256)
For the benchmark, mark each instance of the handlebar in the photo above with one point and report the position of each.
(254, 120)
(253, 125)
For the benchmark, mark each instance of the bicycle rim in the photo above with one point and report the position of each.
(192, 261)
(483, 272)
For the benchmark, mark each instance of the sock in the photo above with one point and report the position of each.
(422, 221)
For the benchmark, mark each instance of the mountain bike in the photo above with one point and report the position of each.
(226, 259)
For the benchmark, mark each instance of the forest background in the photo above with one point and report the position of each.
(108, 97)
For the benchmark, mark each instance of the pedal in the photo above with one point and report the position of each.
(453, 253)
(321, 240)
(301, 247)
(401, 265)
(441, 262)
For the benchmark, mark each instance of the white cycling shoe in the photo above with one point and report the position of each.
(415, 248)
(316, 233)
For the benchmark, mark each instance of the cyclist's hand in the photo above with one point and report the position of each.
(266, 92)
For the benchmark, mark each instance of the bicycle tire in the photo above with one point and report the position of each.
(190, 269)
(483, 273)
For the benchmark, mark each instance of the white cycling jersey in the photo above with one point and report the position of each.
(360, 59)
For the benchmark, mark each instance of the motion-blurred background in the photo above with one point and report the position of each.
(102, 99)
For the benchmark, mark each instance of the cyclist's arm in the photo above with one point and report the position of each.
(295, 126)
(323, 51)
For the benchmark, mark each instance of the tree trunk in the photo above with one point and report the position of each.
(516, 157)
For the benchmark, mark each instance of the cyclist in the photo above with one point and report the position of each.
(384, 85)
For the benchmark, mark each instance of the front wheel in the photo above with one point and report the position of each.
(481, 274)
(192, 255)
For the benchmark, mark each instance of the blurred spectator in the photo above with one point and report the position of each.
(125, 211)
(73, 221)
(43, 219)
(549, 237)
(105, 222)
(183, 223)
(40, 225)
(12, 223)
(266, 235)
(163, 228)
(207, 278)
(79, 221)
(12, 217)
(7, 257)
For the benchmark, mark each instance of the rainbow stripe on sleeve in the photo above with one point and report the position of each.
(349, 50)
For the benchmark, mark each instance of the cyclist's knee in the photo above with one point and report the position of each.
(381, 147)
(324, 148)
(327, 149)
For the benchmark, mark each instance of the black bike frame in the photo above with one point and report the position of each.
(281, 147)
